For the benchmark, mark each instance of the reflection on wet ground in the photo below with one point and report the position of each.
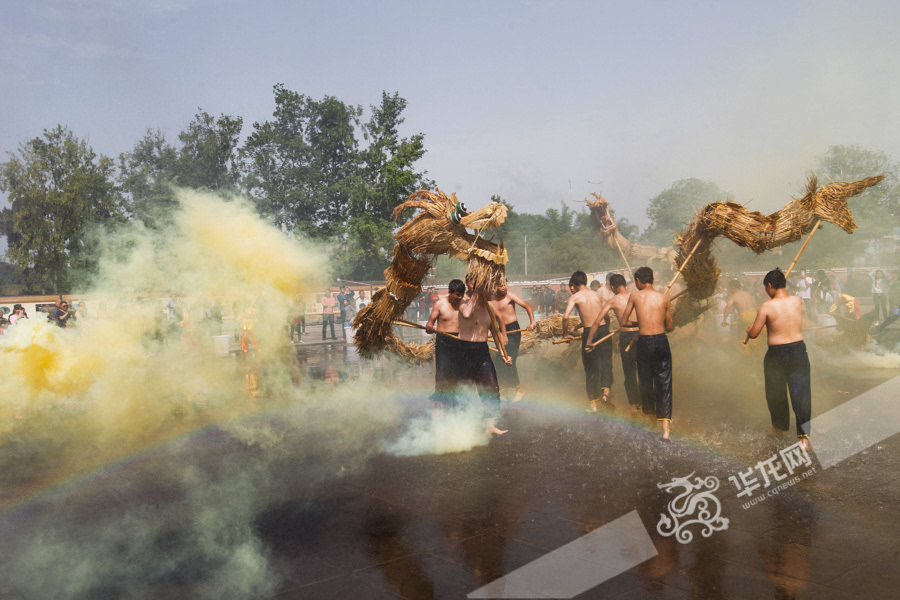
(305, 517)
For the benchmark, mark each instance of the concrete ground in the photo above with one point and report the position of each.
(315, 512)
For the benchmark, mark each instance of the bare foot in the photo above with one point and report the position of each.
(519, 395)
(635, 410)
(492, 428)
(592, 408)
(605, 401)
(804, 443)
(772, 432)
(666, 425)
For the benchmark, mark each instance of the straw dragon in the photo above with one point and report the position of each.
(752, 230)
(439, 228)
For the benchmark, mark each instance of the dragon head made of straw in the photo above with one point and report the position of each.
(441, 228)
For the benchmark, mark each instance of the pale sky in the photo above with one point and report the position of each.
(517, 98)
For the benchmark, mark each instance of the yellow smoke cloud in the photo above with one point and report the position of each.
(115, 384)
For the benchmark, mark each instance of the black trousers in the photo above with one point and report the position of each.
(475, 365)
(591, 362)
(446, 365)
(629, 367)
(654, 361)
(786, 369)
(508, 377)
(605, 361)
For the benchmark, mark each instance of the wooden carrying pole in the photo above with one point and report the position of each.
(796, 258)
(603, 339)
(616, 239)
(406, 323)
(671, 283)
(683, 265)
(803, 247)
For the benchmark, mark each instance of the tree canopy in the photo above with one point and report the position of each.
(673, 208)
(58, 189)
(332, 171)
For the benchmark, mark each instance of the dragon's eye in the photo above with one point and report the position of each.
(459, 212)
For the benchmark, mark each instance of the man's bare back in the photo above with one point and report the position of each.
(782, 316)
(588, 303)
(740, 301)
(652, 308)
(605, 295)
(617, 304)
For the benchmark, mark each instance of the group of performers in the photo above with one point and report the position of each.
(463, 324)
(463, 321)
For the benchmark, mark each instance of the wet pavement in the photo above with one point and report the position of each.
(321, 511)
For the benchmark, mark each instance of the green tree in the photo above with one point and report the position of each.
(306, 170)
(387, 162)
(208, 154)
(559, 241)
(367, 249)
(58, 189)
(302, 166)
(205, 159)
(146, 176)
(674, 207)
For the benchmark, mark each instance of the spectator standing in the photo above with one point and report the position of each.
(345, 300)
(879, 294)
(804, 290)
(562, 298)
(298, 307)
(328, 304)
(362, 302)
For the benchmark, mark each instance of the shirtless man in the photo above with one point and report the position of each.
(588, 303)
(741, 302)
(786, 365)
(475, 363)
(445, 319)
(504, 304)
(626, 334)
(654, 358)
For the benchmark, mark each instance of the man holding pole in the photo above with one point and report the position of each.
(786, 365)
(445, 319)
(654, 357)
(626, 334)
(504, 304)
(588, 303)
(476, 321)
